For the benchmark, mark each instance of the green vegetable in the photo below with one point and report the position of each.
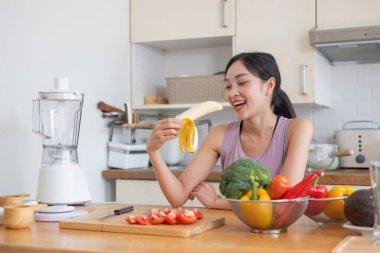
(244, 175)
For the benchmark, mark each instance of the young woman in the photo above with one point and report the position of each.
(266, 130)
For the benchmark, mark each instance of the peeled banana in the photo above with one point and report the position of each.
(188, 135)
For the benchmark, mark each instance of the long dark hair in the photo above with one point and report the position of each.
(264, 66)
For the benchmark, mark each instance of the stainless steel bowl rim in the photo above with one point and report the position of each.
(327, 199)
(270, 201)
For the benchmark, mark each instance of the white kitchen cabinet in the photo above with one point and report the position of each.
(164, 20)
(147, 192)
(151, 64)
(173, 38)
(281, 28)
(347, 13)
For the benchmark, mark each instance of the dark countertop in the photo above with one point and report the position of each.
(339, 176)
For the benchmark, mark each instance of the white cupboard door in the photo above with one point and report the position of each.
(281, 28)
(161, 20)
(347, 13)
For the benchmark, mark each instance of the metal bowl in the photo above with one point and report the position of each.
(332, 210)
(269, 216)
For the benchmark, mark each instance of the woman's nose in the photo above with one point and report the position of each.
(233, 91)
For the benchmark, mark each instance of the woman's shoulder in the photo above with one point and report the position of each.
(301, 125)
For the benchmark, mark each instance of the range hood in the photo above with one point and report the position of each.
(347, 45)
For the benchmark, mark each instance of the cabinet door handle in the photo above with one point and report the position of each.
(224, 13)
(303, 79)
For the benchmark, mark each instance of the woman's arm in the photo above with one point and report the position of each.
(299, 136)
(177, 190)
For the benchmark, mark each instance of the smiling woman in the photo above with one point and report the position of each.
(266, 130)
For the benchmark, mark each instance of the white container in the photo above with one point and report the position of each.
(127, 156)
(171, 153)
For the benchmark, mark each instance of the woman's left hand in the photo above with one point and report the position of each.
(205, 193)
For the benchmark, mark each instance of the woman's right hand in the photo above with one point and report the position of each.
(164, 130)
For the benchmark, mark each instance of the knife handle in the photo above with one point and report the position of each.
(123, 210)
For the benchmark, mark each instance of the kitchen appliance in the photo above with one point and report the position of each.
(354, 44)
(56, 117)
(365, 141)
(127, 156)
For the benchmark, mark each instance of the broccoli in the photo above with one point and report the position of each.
(244, 175)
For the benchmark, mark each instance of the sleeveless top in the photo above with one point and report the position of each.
(273, 157)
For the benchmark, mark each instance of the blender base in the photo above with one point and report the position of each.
(63, 184)
(58, 213)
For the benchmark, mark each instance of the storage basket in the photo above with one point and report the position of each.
(183, 90)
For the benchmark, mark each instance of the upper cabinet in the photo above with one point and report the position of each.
(281, 28)
(347, 13)
(177, 38)
(162, 20)
(198, 37)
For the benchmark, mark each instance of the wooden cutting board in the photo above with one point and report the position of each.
(117, 223)
(354, 244)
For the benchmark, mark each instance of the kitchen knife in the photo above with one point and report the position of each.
(117, 212)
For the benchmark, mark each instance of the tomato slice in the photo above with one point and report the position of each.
(156, 218)
(198, 214)
(187, 217)
(171, 217)
(142, 220)
(131, 219)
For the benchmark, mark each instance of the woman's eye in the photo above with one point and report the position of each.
(243, 82)
(228, 87)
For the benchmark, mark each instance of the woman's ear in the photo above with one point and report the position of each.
(271, 84)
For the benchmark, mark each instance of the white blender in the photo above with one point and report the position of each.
(56, 117)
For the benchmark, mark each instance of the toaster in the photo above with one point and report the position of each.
(365, 142)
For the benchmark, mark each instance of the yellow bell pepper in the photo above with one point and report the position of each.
(259, 215)
(335, 208)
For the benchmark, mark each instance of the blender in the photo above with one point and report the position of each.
(56, 117)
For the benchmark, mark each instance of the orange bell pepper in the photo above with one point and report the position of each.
(335, 208)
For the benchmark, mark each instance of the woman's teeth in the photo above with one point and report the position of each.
(239, 104)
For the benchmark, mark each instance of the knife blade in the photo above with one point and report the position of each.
(119, 211)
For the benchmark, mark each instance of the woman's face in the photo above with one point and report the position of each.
(247, 94)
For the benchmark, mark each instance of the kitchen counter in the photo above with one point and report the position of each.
(358, 177)
(303, 236)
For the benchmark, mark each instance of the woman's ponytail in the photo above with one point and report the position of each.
(281, 104)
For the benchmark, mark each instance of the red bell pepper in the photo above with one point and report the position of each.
(285, 210)
(316, 192)
(300, 190)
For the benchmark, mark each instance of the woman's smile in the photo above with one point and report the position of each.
(238, 104)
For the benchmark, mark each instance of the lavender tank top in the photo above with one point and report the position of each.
(273, 158)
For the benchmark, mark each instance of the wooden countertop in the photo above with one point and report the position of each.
(333, 177)
(303, 236)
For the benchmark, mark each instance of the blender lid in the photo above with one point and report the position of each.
(61, 91)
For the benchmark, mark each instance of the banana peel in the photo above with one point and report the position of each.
(188, 135)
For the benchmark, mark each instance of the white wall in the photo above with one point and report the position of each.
(85, 40)
(355, 96)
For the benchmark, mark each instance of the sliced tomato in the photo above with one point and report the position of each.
(171, 217)
(142, 220)
(187, 217)
(131, 219)
(198, 214)
(156, 218)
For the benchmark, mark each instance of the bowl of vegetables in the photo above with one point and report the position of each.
(327, 210)
(327, 206)
(265, 204)
(269, 216)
